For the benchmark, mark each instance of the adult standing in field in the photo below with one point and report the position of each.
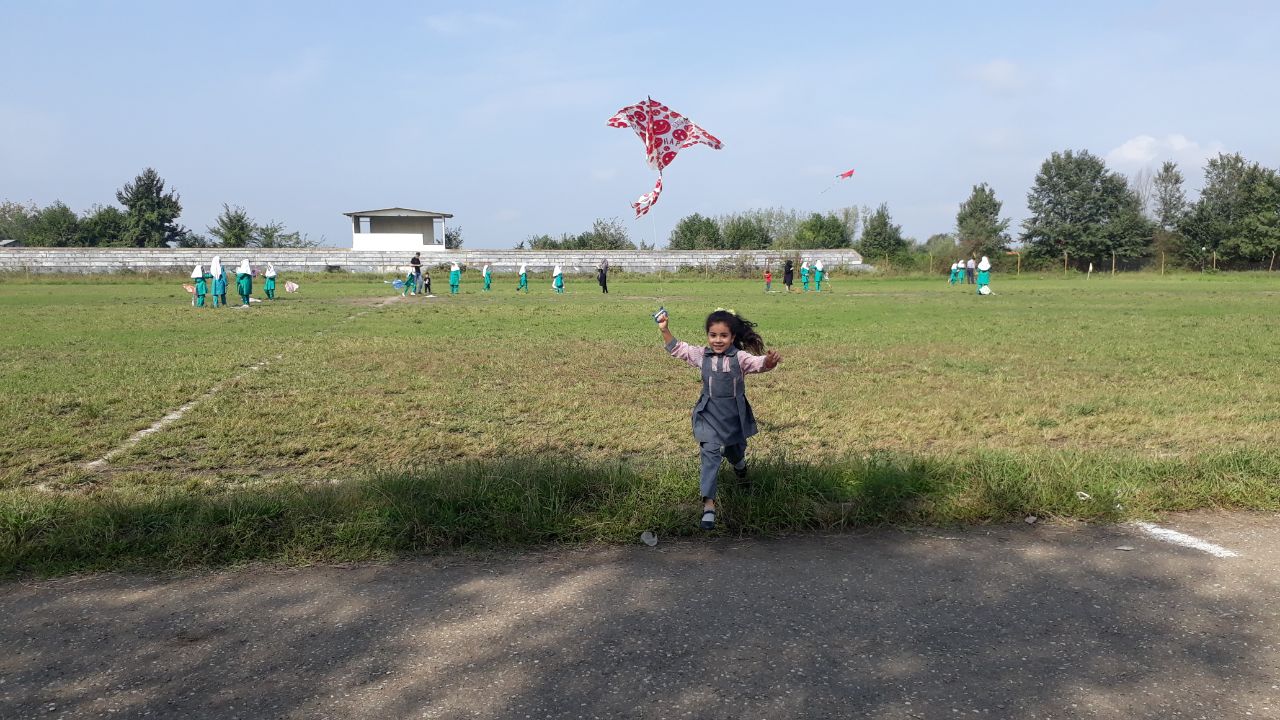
(415, 267)
(969, 267)
(602, 275)
(788, 274)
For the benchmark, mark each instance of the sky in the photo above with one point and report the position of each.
(495, 112)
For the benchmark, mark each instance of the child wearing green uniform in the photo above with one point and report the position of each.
(410, 284)
(524, 280)
(244, 282)
(455, 278)
(804, 275)
(269, 284)
(486, 277)
(557, 280)
(219, 282)
(197, 298)
(984, 276)
(818, 274)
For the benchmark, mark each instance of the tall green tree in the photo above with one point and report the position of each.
(880, 236)
(234, 228)
(1215, 215)
(15, 218)
(745, 233)
(102, 225)
(1168, 208)
(54, 226)
(453, 237)
(817, 232)
(978, 223)
(941, 245)
(151, 212)
(604, 234)
(696, 232)
(1236, 213)
(274, 234)
(1079, 206)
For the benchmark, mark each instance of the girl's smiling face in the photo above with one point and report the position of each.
(719, 337)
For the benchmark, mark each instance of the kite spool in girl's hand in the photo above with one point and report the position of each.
(660, 315)
(189, 288)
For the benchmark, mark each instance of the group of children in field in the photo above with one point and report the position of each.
(788, 276)
(216, 280)
(962, 271)
(417, 280)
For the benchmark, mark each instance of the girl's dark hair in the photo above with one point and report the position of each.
(743, 330)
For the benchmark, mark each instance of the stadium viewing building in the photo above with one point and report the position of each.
(398, 229)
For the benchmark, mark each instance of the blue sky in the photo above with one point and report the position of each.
(496, 112)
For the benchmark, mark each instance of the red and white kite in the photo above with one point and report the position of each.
(664, 133)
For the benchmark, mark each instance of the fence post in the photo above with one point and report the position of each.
(930, 263)
(1161, 262)
(1215, 259)
(1113, 264)
(1273, 261)
(1064, 262)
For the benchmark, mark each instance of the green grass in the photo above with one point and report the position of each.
(495, 420)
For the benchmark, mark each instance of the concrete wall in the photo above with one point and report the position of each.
(398, 242)
(106, 260)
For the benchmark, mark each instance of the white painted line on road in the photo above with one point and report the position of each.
(1185, 540)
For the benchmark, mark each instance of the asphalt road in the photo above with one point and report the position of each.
(1044, 621)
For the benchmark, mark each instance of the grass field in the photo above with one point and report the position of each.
(347, 425)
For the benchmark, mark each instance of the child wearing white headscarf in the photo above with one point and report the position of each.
(984, 276)
(269, 285)
(818, 275)
(485, 272)
(455, 278)
(804, 275)
(219, 282)
(557, 279)
(244, 281)
(197, 274)
(524, 279)
(952, 279)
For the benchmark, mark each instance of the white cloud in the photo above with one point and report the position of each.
(458, 23)
(1145, 150)
(1000, 76)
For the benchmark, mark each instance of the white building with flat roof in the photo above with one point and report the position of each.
(398, 229)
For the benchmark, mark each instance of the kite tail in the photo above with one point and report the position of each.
(648, 200)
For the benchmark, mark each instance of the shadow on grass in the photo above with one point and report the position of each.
(537, 500)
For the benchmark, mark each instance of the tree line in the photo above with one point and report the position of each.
(147, 217)
(1079, 209)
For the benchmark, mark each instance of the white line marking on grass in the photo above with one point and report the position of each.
(168, 420)
(1185, 540)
